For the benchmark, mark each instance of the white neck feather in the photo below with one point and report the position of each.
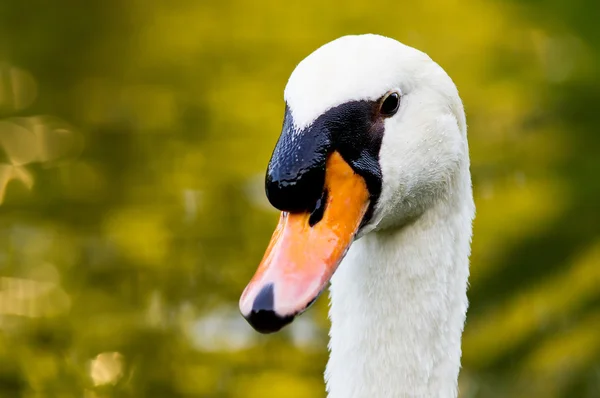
(398, 305)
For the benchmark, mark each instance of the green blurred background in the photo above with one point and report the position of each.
(134, 136)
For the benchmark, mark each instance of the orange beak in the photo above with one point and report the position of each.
(301, 259)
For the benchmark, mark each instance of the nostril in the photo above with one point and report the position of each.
(319, 211)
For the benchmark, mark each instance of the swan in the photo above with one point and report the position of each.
(371, 175)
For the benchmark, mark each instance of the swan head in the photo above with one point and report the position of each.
(373, 134)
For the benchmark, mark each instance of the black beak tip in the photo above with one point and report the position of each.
(267, 321)
(263, 317)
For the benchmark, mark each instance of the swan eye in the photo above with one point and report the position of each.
(390, 104)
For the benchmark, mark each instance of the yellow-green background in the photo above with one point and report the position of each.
(134, 136)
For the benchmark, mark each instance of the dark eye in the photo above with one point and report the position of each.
(390, 104)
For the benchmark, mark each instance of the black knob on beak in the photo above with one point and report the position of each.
(296, 173)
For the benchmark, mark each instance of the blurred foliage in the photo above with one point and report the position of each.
(134, 138)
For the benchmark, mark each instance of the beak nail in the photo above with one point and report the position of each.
(263, 317)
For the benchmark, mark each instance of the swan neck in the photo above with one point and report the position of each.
(398, 306)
